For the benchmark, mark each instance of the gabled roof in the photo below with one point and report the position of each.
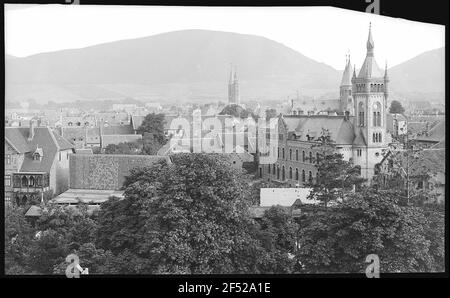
(49, 141)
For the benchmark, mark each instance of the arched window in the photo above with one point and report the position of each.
(24, 181)
(278, 172)
(296, 174)
(269, 169)
(31, 181)
(374, 138)
(290, 154)
(317, 157)
(296, 155)
(283, 175)
(290, 173)
(260, 172)
(379, 138)
(283, 153)
(310, 177)
(278, 152)
(377, 114)
(310, 157)
(303, 156)
(361, 114)
(303, 176)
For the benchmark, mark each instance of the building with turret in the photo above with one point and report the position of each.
(359, 130)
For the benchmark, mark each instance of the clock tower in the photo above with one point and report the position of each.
(370, 92)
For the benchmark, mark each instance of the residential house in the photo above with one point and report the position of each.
(36, 161)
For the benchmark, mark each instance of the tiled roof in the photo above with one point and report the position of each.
(117, 130)
(105, 171)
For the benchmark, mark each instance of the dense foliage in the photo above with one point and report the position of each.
(192, 216)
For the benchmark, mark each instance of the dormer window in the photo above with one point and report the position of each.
(38, 154)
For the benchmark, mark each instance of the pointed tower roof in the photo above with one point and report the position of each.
(370, 68)
(231, 73)
(370, 43)
(235, 74)
(347, 75)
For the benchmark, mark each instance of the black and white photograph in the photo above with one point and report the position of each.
(154, 140)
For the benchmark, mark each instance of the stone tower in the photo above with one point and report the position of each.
(233, 88)
(370, 91)
(345, 95)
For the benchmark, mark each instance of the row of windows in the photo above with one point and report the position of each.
(373, 87)
(305, 158)
(276, 171)
(60, 155)
(376, 138)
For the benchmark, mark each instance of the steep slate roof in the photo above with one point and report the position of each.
(16, 139)
(341, 130)
(46, 139)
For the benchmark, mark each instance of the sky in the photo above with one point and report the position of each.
(325, 34)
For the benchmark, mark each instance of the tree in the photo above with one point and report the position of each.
(61, 231)
(339, 238)
(278, 236)
(190, 216)
(335, 176)
(128, 148)
(154, 124)
(18, 239)
(396, 107)
(237, 111)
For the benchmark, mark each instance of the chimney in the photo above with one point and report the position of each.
(32, 127)
(346, 115)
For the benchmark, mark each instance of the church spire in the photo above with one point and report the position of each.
(370, 43)
(385, 70)
(231, 73)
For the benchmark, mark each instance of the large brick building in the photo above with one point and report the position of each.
(359, 132)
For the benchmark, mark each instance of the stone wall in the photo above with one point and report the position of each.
(105, 171)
